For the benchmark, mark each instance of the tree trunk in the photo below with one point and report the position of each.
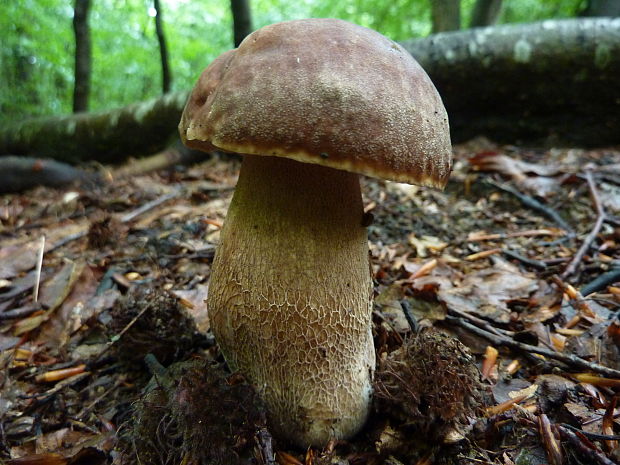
(163, 48)
(610, 8)
(82, 56)
(446, 15)
(485, 13)
(242, 19)
(552, 82)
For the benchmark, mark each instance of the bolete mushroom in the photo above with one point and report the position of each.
(310, 103)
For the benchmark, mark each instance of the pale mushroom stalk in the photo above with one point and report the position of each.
(290, 296)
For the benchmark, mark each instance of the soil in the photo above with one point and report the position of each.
(113, 362)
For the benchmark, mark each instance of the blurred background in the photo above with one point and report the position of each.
(37, 54)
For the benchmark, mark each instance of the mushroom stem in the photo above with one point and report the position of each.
(290, 296)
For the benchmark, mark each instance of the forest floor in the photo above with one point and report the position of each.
(519, 258)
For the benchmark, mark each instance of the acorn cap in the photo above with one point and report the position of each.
(328, 92)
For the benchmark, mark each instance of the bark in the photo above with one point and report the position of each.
(22, 173)
(83, 56)
(242, 19)
(556, 82)
(107, 137)
(163, 48)
(485, 13)
(446, 15)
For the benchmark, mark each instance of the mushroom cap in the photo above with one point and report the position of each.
(323, 91)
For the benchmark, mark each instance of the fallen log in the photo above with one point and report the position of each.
(553, 82)
(557, 82)
(107, 137)
(21, 173)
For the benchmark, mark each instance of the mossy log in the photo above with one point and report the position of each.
(556, 81)
(107, 136)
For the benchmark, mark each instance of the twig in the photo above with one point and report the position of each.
(601, 282)
(86, 410)
(528, 261)
(577, 439)
(569, 359)
(149, 205)
(478, 322)
(534, 204)
(595, 436)
(612, 220)
(20, 312)
(41, 396)
(587, 242)
(116, 337)
(413, 324)
(39, 266)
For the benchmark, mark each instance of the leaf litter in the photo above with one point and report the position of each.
(537, 368)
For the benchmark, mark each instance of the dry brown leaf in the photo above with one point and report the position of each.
(197, 308)
(16, 259)
(53, 294)
(426, 245)
(541, 184)
(486, 293)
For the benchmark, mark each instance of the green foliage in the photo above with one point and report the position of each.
(36, 61)
(36, 55)
(524, 11)
(398, 19)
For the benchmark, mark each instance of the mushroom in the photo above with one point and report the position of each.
(310, 103)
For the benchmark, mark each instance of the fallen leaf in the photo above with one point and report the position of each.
(52, 295)
(426, 245)
(16, 259)
(486, 293)
(197, 298)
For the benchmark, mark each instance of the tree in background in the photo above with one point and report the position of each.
(601, 8)
(37, 70)
(485, 13)
(83, 56)
(446, 15)
(242, 19)
(163, 48)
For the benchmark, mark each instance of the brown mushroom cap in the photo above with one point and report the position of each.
(328, 92)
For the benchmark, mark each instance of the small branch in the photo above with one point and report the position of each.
(534, 204)
(601, 281)
(569, 359)
(538, 264)
(595, 436)
(37, 283)
(149, 206)
(116, 337)
(600, 219)
(478, 322)
(578, 440)
(20, 312)
(413, 323)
